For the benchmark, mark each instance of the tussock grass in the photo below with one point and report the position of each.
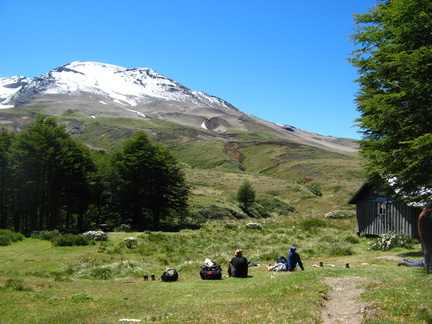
(103, 283)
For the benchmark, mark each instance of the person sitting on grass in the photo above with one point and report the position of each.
(294, 260)
(238, 265)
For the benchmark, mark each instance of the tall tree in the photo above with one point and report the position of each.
(49, 171)
(394, 62)
(152, 184)
(246, 195)
(5, 185)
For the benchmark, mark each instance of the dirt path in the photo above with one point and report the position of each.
(341, 304)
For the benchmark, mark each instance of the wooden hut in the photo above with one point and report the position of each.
(378, 213)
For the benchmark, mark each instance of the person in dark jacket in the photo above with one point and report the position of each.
(293, 260)
(238, 265)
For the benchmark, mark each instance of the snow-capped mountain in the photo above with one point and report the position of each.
(100, 90)
(117, 84)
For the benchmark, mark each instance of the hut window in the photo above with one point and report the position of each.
(382, 208)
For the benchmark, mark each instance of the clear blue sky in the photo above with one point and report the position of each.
(280, 60)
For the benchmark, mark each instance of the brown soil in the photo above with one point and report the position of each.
(341, 304)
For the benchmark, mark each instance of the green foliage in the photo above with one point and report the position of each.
(201, 214)
(131, 242)
(394, 63)
(340, 214)
(5, 240)
(230, 226)
(16, 284)
(70, 240)
(48, 173)
(314, 189)
(8, 237)
(151, 182)
(46, 235)
(277, 206)
(123, 228)
(340, 250)
(392, 240)
(312, 224)
(246, 195)
(257, 211)
(350, 239)
(92, 268)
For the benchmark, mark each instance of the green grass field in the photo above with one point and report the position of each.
(103, 283)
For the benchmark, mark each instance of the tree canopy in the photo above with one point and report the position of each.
(49, 180)
(246, 195)
(394, 62)
(152, 184)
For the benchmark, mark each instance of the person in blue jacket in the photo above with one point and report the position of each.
(293, 260)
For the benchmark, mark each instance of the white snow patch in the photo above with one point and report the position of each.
(203, 125)
(137, 112)
(103, 102)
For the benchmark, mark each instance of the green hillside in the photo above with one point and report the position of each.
(217, 164)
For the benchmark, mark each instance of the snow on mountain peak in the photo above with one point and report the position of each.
(121, 85)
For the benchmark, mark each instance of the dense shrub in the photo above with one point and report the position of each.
(123, 228)
(340, 214)
(14, 236)
(96, 236)
(70, 240)
(5, 240)
(131, 242)
(257, 211)
(391, 240)
(46, 235)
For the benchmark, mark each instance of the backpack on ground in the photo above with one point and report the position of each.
(210, 270)
(169, 275)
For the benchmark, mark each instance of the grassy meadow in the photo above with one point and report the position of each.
(103, 283)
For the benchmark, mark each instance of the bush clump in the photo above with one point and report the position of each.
(7, 237)
(16, 284)
(46, 235)
(131, 242)
(340, 214)
(70, 240)
(4, 240)
(392, 240)
(96, 236)
(123, 228)
(230, 226)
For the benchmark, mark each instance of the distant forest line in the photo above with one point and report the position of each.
(49, 180)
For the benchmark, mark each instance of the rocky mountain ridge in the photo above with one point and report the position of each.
(99, 90)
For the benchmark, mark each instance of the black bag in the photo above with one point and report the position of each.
(169, 275)
(211, 272)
